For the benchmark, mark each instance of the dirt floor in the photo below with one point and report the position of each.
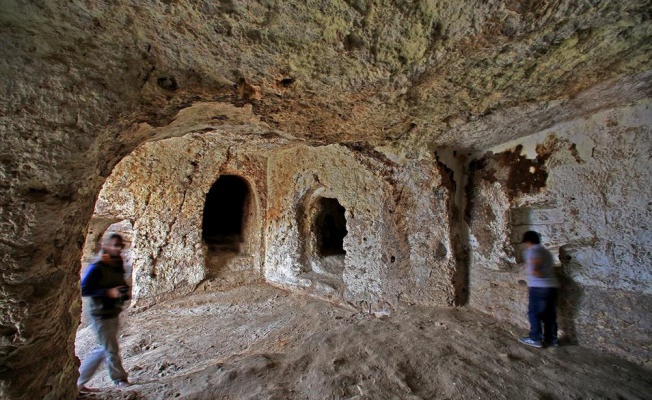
(259, 342)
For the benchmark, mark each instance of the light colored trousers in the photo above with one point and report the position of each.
(107, 334)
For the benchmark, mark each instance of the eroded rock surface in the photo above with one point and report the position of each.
(269, 343)
(86, 83)
(582, 186)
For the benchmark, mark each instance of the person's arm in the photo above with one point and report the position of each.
(89, 283)
(536, 266)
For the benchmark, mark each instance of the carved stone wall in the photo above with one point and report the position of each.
(586, 187)
(390, 253)
(162, 188)
(86, 83)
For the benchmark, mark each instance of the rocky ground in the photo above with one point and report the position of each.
(259, 342)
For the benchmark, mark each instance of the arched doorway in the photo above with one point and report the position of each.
(330, 227)
(323, 227)
(224, 213)
(227, 226)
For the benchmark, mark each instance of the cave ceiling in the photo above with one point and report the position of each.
(417, 74)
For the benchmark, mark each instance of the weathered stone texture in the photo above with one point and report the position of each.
(391, 253)
(592, 210)
(301, 175)
(423, 197)
(162, 188)
(85, 83)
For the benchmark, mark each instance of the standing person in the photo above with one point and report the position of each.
(105, 284)
(542, 289)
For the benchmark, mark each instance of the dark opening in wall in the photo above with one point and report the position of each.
(330, 225)
(224, 212)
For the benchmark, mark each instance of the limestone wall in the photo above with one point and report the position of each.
(586, 187)
(398, 216)
(398, 240)
(161, 187)
(78, 76)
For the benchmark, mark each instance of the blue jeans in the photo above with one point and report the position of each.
(542, 308)
(108, 351)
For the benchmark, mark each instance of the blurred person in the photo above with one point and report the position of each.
(542, 292)
(105, 284)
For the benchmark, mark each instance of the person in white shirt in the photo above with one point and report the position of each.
(542, 290)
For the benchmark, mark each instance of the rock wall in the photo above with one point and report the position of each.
(80, 75)
(391, 253)
(161, 187)
(586, 187)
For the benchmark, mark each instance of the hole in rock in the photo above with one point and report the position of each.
(330, 225)
(286, 81)
(224, 213)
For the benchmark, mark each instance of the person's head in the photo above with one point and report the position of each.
(113, 245)
(530, 238)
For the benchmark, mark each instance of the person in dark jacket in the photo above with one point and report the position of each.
(105, 284)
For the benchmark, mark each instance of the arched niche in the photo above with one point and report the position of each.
(329, 227)
(227, 228)
(323, 226)
(225, 213)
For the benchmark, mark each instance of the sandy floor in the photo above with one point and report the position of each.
(258, 342)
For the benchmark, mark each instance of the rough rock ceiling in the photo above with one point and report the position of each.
(410, 73)
(77, 74)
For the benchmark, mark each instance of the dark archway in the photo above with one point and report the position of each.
(225, 211)
(330, 227)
